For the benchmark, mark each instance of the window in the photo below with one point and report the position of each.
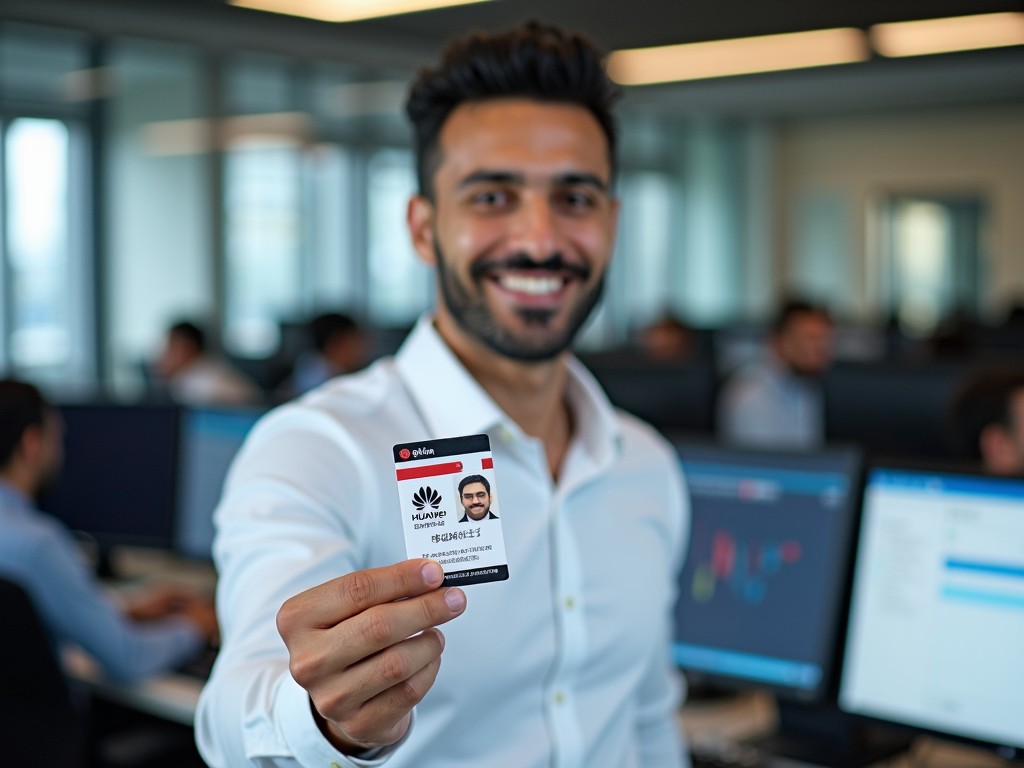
(399, 283)
(39, 257)
(931, 251)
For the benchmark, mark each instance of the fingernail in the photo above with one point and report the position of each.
(456, 599)
(432, 573)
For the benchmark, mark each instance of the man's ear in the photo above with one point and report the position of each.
(31, 443)
(419, 216)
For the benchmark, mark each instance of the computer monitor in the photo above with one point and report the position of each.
(210, 438)
(762, 590)
(674, 397)
(892, 410)
(118, 481)
(936, 629)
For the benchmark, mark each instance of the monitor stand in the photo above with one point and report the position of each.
(825, 736)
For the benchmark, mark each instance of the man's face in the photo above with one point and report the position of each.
(1004, 451)
(50, 459)
(805, 344)
(476, 501)
(521, 227)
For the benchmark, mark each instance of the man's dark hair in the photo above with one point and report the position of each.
(324, 327)
(985, 399)
(190, 332)
(470, 479)
(21, 406)
(534, 61)
(792, 308)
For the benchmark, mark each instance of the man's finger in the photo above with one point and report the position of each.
(339, 599)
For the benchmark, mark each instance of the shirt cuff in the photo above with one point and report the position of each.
(308, 744)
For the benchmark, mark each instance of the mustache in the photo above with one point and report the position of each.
(520, 262)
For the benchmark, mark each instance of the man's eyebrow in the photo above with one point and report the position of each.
(588, 179)
(569, 179)
(493, 177)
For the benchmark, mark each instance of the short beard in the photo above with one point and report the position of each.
(473, 316)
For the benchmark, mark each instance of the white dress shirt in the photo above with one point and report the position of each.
(565, 664)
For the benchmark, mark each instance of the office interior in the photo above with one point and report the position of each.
(246, 170)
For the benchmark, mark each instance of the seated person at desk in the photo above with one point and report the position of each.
(779, 404)
(193, 376)
(987, 418)
(152, 633)
(339, 346)
(667, 339)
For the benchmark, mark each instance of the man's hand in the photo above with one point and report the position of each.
(365, 648)
(165, 600)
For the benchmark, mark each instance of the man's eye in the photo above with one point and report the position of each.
(578, 200)
(491, 198)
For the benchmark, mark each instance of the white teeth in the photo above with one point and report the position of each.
(533, 286)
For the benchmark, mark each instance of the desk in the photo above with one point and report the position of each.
(174, 698)
(171, 697)
(717, 724)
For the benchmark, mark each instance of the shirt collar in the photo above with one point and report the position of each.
(13, 498)
(452, 402)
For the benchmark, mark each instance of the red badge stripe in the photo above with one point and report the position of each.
(430, 470)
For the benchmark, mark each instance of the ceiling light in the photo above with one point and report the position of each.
(961, 33)
(740, 56)
(347, 10)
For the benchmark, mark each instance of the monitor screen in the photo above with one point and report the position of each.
(763, 587)
(117, 484)
(210, 438)
(936, 626)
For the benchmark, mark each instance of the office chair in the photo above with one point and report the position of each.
(39, 724)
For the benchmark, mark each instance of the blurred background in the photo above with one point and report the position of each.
(247, 169)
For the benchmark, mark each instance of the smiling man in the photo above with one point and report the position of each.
(331, 649)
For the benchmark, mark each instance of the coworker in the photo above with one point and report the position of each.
(987, 417)
(194, 376)
(330, 636)
(668, 339)
(339, 346)
(156, 631)
(779, 403)
(475, 497)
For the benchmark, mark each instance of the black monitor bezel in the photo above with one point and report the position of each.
(825, 693)
(110, 540)
(961, 469)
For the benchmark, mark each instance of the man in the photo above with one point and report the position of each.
(475, 496)
(779, 404)
(987, 418)
(155, 632)
(193, 376)
(515, 154)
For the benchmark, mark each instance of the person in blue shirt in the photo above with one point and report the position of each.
(779, 403)
(152, 633)
(339, 346)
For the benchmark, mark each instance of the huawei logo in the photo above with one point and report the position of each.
(426, 497)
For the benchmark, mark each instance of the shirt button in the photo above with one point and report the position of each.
(559, 698)
(569, 603)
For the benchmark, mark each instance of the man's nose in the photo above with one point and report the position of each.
(536, 228)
